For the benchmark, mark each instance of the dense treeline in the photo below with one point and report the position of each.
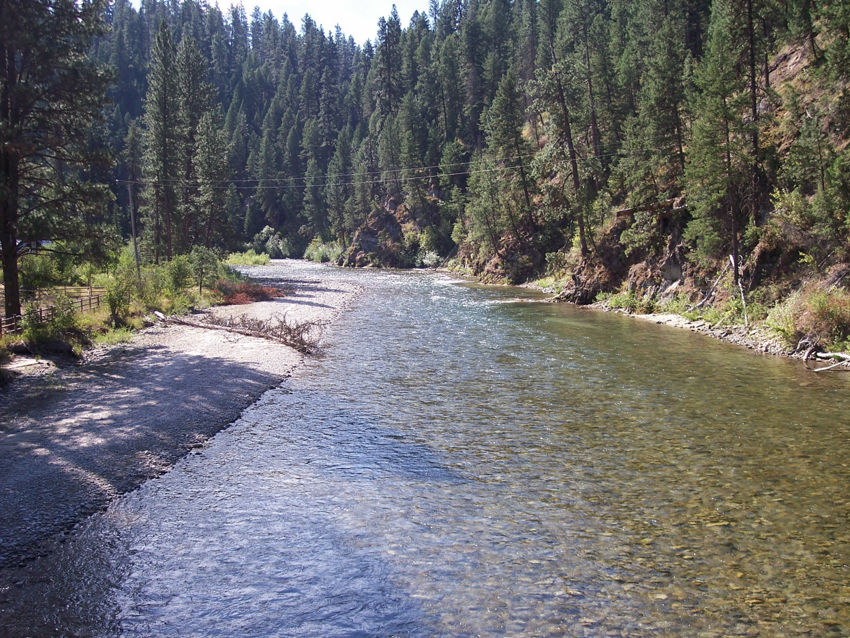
(508, 131)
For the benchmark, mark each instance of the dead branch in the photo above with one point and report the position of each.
(844, 364)
(833, 355)
(304, 337)
(710, 293)
(841, 364)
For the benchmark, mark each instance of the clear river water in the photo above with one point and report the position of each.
(462, 460)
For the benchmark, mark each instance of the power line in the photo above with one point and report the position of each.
(255, 184)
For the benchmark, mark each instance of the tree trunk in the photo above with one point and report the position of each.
(733, 204)
(571, 149)
(594, 126)
(756, 195)
(167, 209)
(9, 248)
(522, 173)
(9, 190)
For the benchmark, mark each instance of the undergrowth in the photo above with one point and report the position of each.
(248, 258)
(323, 252)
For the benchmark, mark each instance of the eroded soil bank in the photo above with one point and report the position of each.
(75, 438)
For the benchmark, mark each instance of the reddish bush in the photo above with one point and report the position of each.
(827, 315)
(245, 292)
(238, 299)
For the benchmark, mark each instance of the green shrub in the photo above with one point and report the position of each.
(429, 240)
(37, 272)
(59, 322)
(826, 315)
(248, 258)
(179, 305)
(118, 293)
(323, 252)
(111, 337)
(678, 305)
(205, 265)
(428, 259)
(33, 329)
(179, 274)
(272, 244)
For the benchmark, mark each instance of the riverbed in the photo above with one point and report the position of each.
(462, 460)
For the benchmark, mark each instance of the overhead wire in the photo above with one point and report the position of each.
(259, 183)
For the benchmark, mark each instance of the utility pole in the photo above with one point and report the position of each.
(133, 230)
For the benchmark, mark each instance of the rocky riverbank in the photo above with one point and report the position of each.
(74, 438)
(755, 338)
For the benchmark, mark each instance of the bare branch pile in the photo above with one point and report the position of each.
(304, 336)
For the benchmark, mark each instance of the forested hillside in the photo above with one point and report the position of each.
(613, 145)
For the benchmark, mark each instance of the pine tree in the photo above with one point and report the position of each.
(314, 199)
(720, 163)
(389, 63)
(505, 120)
(339, 187)
(196, 98)
(163, 161)
(50, 94)
(213, 174)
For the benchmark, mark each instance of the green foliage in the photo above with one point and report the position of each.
(53, 93)
(58, 324)
(507, 131)
(248, 258)
(37, 272)
(113, 337)
(179, 274)
(272, 244)
(205, 265)
(118, 292)
(323, 252)
(826, 315)
(632, 303)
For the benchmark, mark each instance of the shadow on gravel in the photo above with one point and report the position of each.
(70, 443)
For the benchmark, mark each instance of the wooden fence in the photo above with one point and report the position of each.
(13, 325)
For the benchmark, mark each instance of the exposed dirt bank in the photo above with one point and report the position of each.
(74, 438)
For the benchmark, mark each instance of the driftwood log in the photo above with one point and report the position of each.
(304, 337)
(842, 365)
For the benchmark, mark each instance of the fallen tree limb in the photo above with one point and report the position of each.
(833, 355)
(841, 364)
(844, 364)
(304, 337)
(710, 293)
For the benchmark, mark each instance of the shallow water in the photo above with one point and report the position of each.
(461, 463)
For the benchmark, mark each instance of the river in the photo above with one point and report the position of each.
(462, 460)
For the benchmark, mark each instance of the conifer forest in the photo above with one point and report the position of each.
(634, 150)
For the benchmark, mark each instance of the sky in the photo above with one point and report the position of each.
(357, 18)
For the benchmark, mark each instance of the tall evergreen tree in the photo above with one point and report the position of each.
(196, 98)
(720, 162)
(50, 93)
(163, 161)
(213, 175)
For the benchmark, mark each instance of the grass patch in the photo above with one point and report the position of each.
(823, 316)
(112, 337)
(248, 258)
(631, 303)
